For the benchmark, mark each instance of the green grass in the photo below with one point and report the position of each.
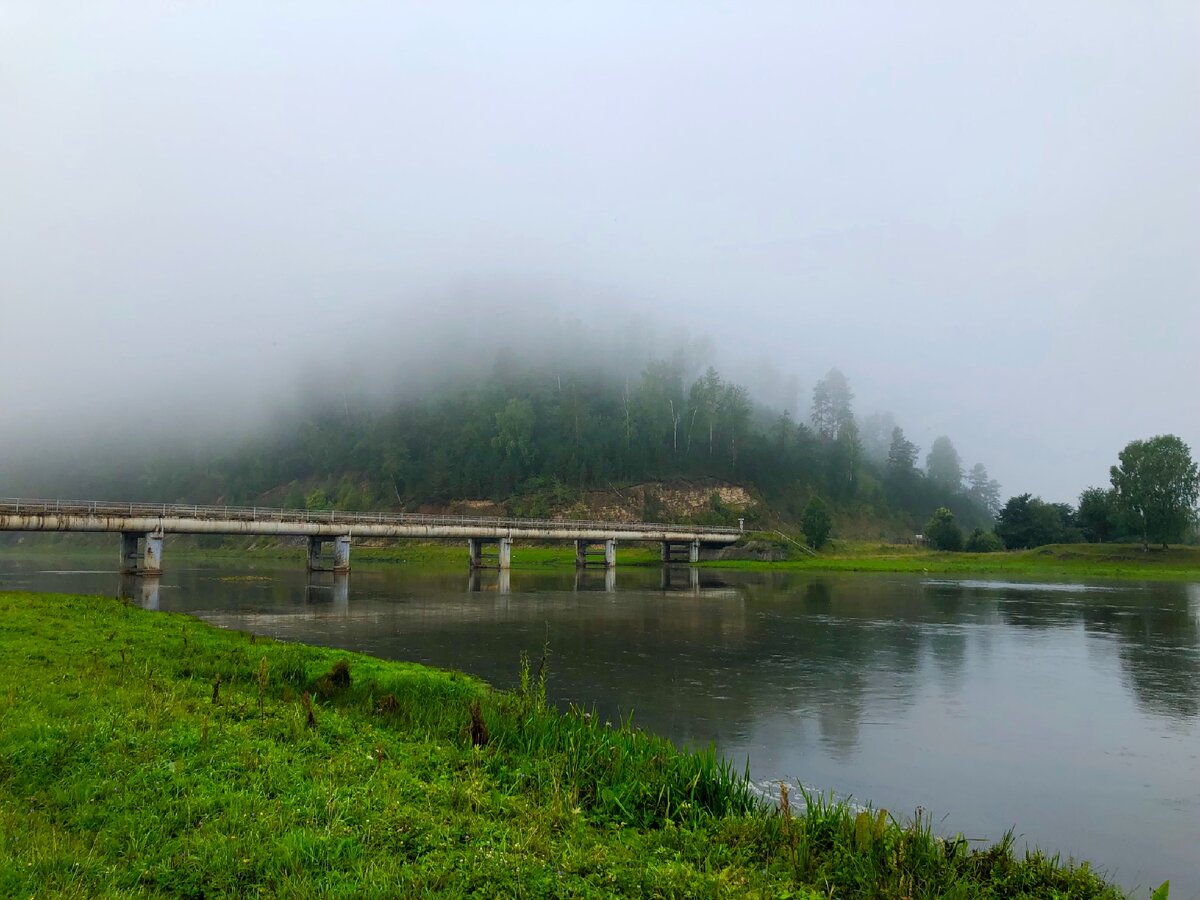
(426, 554)
(147, 753)
(1056, 560)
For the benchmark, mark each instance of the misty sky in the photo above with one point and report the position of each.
(987, 215)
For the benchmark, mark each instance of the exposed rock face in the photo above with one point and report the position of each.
(668, 501)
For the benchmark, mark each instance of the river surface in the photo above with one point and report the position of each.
(1068, 711)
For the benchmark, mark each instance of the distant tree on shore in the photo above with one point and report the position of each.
(982, 541)
(942, 532)
(901, 477)
(943, 465)
(1097, 514)
(1157, 484)
(832, 409)
(1027, 521)
(816, 522)
(985, 491)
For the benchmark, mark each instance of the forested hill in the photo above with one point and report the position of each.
(535, 439)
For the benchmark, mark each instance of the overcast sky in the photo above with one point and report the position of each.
(987, 215)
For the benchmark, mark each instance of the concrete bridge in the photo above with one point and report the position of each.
(142, 526)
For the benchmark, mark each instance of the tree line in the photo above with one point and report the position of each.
(1151, 498)
(534, 437)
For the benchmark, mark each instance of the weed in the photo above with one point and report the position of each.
(335, 681)
(478, 729)
(263, 680)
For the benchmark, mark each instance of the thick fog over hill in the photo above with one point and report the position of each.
(986, 216)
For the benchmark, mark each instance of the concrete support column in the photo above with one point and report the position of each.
(473, 550)
(314, 553)
(694, 552)
(666, 551)
(141, 553)
(505, 554)
(152, 560)
(581, 548)
(130, 562)
(610, 579)
(610, 554)
(341, 553)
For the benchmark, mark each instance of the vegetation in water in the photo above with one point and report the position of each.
(147, 753)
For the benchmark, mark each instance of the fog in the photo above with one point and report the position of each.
(986, 215)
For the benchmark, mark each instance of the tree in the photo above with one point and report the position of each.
(706, 399)
(942, 532)
(877, 431)
(1097, 514)
(1027, 521)
(1157, 485)
(816, 522)
(514, 430)
(844, 457)
(944, 466)
(983, 490)
(832, 409)
(982, 541)
(734, 409)
(901, 476)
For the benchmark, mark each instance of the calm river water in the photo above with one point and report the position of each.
(1069, 711)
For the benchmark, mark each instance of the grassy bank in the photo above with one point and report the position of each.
(148, 753)
(1056, 560)
(426, 554)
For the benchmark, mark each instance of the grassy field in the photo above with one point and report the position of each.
(146, 753)
(1056, 560)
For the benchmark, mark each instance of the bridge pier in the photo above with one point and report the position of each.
(583, 550)
(672, 549)
(143, 560)
(481, 561)
(341, 553)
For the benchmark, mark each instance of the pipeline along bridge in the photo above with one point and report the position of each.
(143, 525)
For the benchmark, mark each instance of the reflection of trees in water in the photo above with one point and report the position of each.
(1159, 646)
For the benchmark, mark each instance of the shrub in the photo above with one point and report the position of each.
(982, 541)
(942, 532)
(816, 522)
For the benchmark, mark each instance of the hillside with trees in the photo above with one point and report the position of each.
(535, 439)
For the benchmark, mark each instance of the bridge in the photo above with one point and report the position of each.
(143, 525)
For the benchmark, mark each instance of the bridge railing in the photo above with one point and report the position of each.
(15, 506)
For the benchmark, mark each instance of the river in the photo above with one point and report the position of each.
(1068, 711)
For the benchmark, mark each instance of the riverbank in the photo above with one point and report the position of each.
(1125, 561)
(1120, 561)
(147, 752)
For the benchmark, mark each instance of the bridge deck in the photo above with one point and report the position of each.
(174, 518)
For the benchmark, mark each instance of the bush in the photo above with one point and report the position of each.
(982, 541)
(942, 532)
(816, 523)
